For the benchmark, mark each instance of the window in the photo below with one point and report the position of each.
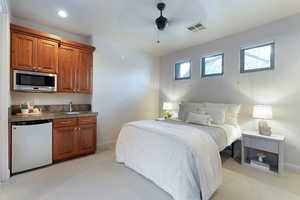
(257, 58)
(213, 65)
(183, 70)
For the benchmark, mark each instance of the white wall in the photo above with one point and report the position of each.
(125, 87)
(44, 99)
(279, 88)
(4, 91)
(65, 35)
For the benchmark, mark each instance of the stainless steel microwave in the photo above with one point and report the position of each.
(34, 81)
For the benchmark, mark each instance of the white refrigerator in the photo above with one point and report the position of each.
(31, 145)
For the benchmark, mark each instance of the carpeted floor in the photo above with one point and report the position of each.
(99, 177)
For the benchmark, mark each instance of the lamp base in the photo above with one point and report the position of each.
(264, 129)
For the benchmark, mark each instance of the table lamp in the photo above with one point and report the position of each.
(170, 109)
(263, 112)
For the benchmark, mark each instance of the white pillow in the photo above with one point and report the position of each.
(198, 119)
(232, 114)
(231, 111)
(185, 108)
(217, 115)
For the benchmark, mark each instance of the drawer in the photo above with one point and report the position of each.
(261, 144)
(87, 120)
(65, 122)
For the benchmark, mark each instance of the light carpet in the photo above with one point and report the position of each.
(99, 177)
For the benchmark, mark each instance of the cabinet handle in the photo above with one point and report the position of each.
(24, 66)
(63, 123)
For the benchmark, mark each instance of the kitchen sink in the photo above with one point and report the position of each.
(72, 113)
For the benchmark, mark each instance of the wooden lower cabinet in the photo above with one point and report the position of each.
(72, 140)
(86, 139)
(64, 143)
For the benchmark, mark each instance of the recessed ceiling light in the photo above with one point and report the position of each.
(62, 13)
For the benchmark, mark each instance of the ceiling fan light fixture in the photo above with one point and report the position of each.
(161, 22)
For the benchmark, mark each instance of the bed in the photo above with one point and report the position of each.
(181, 158)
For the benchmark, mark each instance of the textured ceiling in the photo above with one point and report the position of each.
(131, 22)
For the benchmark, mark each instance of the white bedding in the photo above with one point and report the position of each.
(224, 135)
(180, 158)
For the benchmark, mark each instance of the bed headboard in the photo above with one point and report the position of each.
(232, 111)
(186, 107)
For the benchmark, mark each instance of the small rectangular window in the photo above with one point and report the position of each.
(183, 70)
(257, 58)
(213, 65)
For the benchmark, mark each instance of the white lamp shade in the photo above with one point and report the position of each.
(262, 112)
(170, 106)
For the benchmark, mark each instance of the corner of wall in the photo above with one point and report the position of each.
(4, 89)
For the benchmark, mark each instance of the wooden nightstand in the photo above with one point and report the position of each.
(272, 147)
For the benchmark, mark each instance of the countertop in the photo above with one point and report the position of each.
(50, 115)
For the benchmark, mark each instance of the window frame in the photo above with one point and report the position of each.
(203, 75)
(184, 78)
(272, 58)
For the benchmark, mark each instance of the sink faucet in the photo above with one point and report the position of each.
(70, 107)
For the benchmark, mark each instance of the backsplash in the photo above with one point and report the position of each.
(55, 108)
(49, 98)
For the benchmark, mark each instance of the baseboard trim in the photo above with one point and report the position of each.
(292, 167)
(106, 146)
(5, 177)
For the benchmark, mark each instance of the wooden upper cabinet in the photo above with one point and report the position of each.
(47, 56)
(23, 52)
(84, 72)
(67, 69)
(32, 50)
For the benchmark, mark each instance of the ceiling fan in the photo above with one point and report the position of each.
(161, 22)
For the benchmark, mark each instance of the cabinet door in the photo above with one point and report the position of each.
(47, 56)
(84, 72)
(67, 69)
(23, 52)
(64, 143)
(86, 141)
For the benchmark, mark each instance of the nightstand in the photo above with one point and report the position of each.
(269, 148)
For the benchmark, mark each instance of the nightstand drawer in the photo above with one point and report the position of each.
(261, 144)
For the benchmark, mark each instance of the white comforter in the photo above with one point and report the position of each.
(182, 160)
